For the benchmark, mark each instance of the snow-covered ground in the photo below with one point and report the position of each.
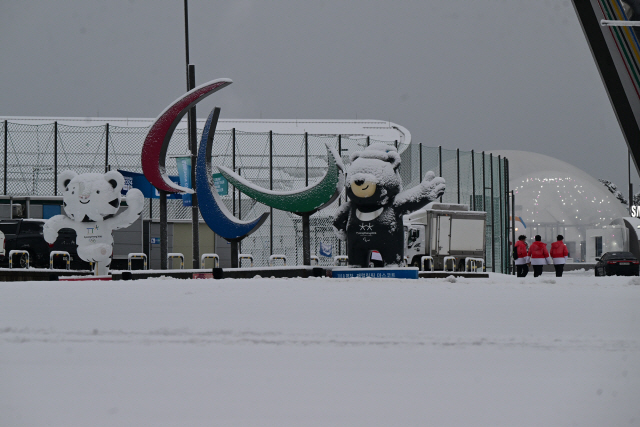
(501, 351)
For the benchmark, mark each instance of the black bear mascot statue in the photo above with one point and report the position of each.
(372, 218)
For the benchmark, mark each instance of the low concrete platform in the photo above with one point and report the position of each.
(37, 274)
(443, 274)
(41, 274)
(227, 273)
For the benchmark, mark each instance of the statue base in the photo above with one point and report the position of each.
(375, 273)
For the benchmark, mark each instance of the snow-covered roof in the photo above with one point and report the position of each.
(380, 130)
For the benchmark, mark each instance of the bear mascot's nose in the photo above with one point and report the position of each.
(358, 182)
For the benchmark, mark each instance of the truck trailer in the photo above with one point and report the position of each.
(450, 234)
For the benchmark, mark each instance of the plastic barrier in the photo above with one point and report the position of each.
(244, 256)
(272, 259)
(339, 259)
(215, 257)
(63, 254)
(137, 255)
(426, 258)
(173, 255)
(17, 251)
(446, 260)
(316, 259)
(471, 264)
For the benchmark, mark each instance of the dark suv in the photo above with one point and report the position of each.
(26, 234)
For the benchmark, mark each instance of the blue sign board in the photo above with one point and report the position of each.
(139, 181)
(376, 273)
(326, 249)
(155, 240)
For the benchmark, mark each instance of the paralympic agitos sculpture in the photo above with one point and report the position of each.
(372, 219)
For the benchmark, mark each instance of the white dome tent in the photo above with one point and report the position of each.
(553, 197)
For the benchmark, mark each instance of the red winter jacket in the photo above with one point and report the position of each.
(559, 250)
(521, 246)
(538, 250)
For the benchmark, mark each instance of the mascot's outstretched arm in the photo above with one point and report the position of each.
(340, 221)
(415, 198)
(135, 204)
(55, 224)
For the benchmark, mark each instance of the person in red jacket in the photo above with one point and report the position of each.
(521, 247)
(559, 253)
(539, 254)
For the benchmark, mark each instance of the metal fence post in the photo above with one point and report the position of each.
(421, 175)
(458, 171)
(164, 235)
(493, 222)
(484, 185)
(473, 180)
(271, 188)
(440, 165)
(513, 222)
(6, 144)
(106, 148)
(340, 197)
(55, 158)
(306, 226)
(368, 142)
(234, 243)
(502, 232)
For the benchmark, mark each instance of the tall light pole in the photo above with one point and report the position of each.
(193, 144)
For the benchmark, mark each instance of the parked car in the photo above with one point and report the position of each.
(26, 234)
(617, 263)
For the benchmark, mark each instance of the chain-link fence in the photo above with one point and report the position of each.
(35, 154)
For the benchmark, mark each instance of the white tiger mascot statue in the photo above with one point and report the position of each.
(91, 201)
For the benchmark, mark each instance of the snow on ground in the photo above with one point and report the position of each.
(501, 351)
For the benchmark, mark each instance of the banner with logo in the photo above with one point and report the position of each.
(184, 172)
(139, 181)
(326, 249)
(221, 184)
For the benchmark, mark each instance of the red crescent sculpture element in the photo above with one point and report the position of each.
(154, 150)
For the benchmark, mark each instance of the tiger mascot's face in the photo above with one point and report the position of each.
(90, 196)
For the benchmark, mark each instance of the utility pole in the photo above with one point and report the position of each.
(193, 145)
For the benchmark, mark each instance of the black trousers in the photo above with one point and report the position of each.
(522, 270)
(537, 270)
(559, 269)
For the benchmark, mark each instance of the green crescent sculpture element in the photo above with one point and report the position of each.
(306, 200)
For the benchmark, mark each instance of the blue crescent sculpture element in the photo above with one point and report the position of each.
(303, 201)
(212, 208)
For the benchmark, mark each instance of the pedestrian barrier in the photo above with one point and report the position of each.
(173, 255)
(273, 258)
(340, 259)
(471, 264)
(453, 263)
(426, 258)
(244, 256)
(316, 259)
(63, 254)
(215, 257)
(136, 255)
(18, 251)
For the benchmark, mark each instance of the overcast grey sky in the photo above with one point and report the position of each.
(482, 74)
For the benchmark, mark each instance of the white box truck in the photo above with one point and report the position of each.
(450, 234)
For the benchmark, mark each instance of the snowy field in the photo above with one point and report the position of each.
(501, 351)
